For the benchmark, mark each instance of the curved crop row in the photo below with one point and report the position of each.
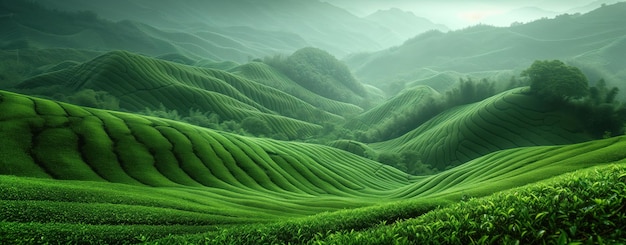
(148, 172)
(267, 75)
(63, 141)
(140, 82)
(43, 138)
(508, 120)
(400, 104)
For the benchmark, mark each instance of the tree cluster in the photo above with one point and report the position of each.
(601, 113)
(596, 107)
(554, 80)
(250, 126)
(408, 161)
(92, 98)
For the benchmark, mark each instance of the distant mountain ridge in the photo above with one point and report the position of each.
(32, 25)
(404, 24)
(591, 6)
(321, 24)
(578, 39)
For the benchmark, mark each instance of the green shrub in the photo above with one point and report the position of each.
(256, 126)
(94, 99)
(554, 80)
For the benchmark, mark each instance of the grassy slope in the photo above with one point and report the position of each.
(508, 120)
(581, 207)
(152, 172)
(269, 76)
(395, 106)
(141, 82)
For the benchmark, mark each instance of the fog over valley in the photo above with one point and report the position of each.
(458, 14)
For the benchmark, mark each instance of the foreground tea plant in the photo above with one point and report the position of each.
(586, 207)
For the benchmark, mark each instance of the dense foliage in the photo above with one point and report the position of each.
(584, 208)
(553, 79)
(602, 114)
(567, 87)
(581, 208)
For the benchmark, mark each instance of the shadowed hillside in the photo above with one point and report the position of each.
(321, 73)
(508, 120)
(265, 74)
(410, 102)
(19, 63)
(116, 147)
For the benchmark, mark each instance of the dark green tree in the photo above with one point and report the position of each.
(553, 79)
(256, 126)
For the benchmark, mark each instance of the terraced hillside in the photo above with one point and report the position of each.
(401, 104)
(140, 82)
(262, 73)
(508, 120)
(89, 163)
(44, 138)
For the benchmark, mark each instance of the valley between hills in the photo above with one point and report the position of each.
(160, 130)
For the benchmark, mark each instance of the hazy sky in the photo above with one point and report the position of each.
(459, 13)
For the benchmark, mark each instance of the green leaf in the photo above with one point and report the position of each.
(562, 239)
(540, 215)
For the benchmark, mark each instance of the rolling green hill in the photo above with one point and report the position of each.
(267, 75)
(96, 145)
(140, 82)
(288, 108)
(573, 38)
(407, 102)
(321, 73)
(66, 169)
(508, 120)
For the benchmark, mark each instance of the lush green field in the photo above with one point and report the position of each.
(74, 174)
(235, 123)
(584, 207)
